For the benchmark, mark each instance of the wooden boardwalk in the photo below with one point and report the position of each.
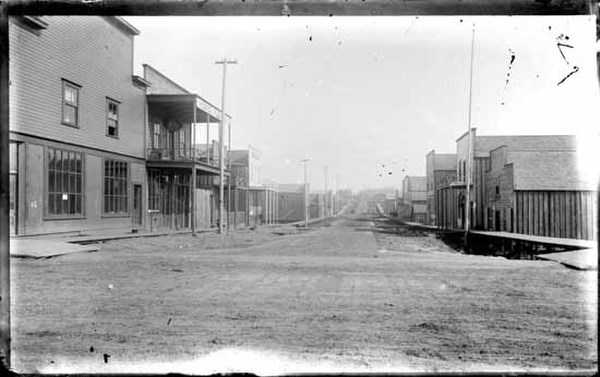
(554, 241)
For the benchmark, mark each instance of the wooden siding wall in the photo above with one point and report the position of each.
(203, 208)
(103, 68)
(562, 214)
(447, 211)
(478, 194)
(290, 206)
(33, 199)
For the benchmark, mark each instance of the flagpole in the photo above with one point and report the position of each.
(469, 142)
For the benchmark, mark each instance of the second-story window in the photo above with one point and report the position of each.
(112, 118)
(70, 104)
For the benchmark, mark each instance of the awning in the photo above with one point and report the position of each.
(181, 108)
(201, 168)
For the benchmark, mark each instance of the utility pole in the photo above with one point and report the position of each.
(306, 201)
(469, 141)
(325, 209)
(229, 206)
(337, 194)
(224, 62)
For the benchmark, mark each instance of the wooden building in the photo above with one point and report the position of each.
(252, 202)
(77, 125)
(291, 203)
(182, 181)
(414, 197)
(540, 192)
(521, 184)
(441, 170)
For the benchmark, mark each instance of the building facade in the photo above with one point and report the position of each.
(77, 125)
(181, 192)
(522, 184)
(414, 198)
(441, 170)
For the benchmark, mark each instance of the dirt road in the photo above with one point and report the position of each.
(331, 299)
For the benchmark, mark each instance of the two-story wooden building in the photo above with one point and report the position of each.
(77, 125)
(181, 178)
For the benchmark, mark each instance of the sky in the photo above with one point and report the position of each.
(369, 97)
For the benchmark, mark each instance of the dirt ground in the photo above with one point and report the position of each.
(337, 298)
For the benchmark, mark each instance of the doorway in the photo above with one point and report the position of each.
(13, 189)
(137, 206)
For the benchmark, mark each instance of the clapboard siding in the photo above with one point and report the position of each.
(90, 52)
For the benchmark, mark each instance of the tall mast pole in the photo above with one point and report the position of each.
(469, 142)
(224, 62)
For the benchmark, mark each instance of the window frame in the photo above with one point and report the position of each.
(110, 101)
(77, 107)
(128, 186)
(46, 201)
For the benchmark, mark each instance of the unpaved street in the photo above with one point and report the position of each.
(331, 298)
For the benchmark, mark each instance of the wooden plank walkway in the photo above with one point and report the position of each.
(586, 259)
(568, 242)
(45, 248)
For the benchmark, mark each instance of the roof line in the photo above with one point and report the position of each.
(124, 25)
(165, 77)
(182, 88)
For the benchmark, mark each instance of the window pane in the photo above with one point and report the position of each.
(65, 205)
(70, 94)
(78, 199)
(50, 157)
(71, 202)
(51, 187)
(51, 204)
(78, 184)
(72, 161)
(73, 183)
(58, 186)
(69, 114)
(78, 166)
(65, 161)
(65, 182)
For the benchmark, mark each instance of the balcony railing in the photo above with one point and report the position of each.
(184, 155)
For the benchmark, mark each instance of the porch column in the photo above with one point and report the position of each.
(193, 201)
(208, 159)
(193, 133)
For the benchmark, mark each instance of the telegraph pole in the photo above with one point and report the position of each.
(306, 201)
(224, 62)
(325, 204)
(469, 167)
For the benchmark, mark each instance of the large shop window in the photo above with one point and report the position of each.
(65, 183)
(116, 190)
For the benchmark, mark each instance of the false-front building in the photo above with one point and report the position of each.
(77, 121)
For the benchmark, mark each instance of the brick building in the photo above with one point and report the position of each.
(441, 169)
(77, 125)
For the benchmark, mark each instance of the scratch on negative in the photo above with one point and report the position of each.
(569, 75)
(559, 45)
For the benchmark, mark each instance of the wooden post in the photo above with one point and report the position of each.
(5, 319)
(208, 159)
